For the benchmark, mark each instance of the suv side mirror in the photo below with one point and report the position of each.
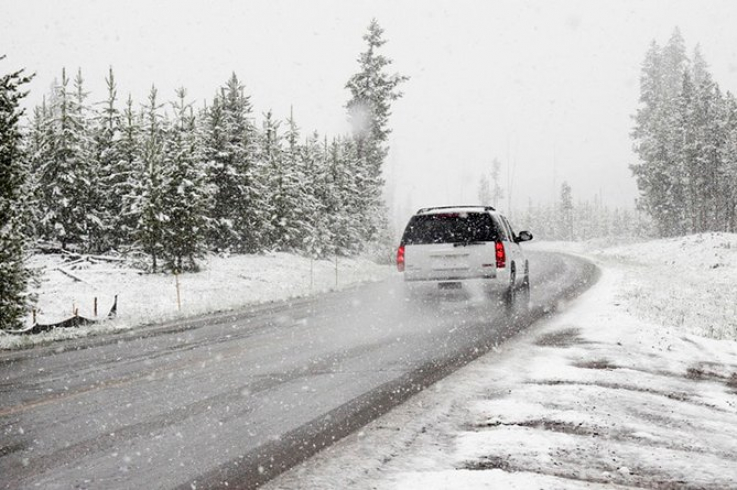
(524, 236)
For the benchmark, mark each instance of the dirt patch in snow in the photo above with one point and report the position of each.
(489, 463)
(673, 395)
(567, 337)
(596, 364)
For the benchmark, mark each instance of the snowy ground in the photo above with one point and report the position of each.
(621, 390)
(224, 283)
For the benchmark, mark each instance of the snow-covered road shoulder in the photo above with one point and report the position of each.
(223, 284)
(615, 392)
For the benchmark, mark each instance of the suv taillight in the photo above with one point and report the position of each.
(501, 256)
(400, 258)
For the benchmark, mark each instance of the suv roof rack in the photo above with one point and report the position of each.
(485, 208)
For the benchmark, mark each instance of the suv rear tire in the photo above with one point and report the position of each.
(510, 295)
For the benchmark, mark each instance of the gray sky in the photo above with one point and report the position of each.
(547, 86)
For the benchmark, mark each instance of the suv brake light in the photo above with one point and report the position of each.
(501, 256)
(400, 258)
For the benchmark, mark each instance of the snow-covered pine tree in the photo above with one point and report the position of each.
(728, 178)
(64, 175)
(484, 190)
(318, 243)
(566, 212)
(114, 168)
(372, 92)
(497, 193)
(230, 143)
(184, 193)
(148, 204)
(91, 205)
(37, 149)
(222, 179)
(298, 199)
(14, 274)
(683, 187)
(347, 224)
(129, 188)
(272, 160)
(658, 141)
(710, 115)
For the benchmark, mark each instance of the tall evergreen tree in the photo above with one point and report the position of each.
(347, 224)
(566, 211)
(272, 158)
(114, 168)
(230, 146)
(319, 239)
(91, 202)
(184, 195)
(484, 191)
(683, 135)
(497, 193)
(658, 138)
(14, 274)
(372, 92)
(149, 205)
(728, 176)
(128, 184)
(299, 201)
(66, 176)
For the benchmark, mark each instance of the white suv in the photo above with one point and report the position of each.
(450, 245)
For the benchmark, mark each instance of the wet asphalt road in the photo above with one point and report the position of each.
(232, 400)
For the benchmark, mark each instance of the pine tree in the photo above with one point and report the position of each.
(497, 192)
(372, 92)
(184, 195)
(230, 147)
(114, 168)
(316, 182)
(484, 191)
(298, 201)
(566, 212)
(728, 177)
(66, 175)
(272, 159)
(129, 187)
(38, 143)
(91, 205)
(148, 204)
(658, 136)
(344, 203)
(14, 275)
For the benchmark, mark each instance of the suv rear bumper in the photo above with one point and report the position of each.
(497, 277)
(493, 285)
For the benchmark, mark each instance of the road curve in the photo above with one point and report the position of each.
(232, 400)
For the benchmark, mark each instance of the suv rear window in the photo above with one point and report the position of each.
(449, 228)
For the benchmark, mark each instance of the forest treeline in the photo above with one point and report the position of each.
(570, 219)
(170, 181)
(176, 183)
(685, 135)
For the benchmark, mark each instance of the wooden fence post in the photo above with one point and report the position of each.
(179, 299)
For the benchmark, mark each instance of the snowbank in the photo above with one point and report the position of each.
(615, 392)
(224, 283)
(688, 284)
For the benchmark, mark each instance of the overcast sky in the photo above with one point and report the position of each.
(548, 87)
